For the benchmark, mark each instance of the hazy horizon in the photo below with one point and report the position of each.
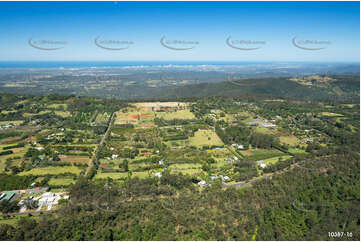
(180, 31)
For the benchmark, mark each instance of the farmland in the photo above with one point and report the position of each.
(163, 149)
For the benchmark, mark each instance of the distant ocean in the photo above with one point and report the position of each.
(85, 64)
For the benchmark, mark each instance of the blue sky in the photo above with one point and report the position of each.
(209, 23)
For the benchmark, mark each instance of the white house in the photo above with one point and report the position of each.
(158, 174)
(202, 183)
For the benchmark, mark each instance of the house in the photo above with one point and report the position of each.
(224, 178)
(202, 183)
(158, 174)
(261, 163)
(235, 158)
(114, 156)
(7, 195)
(238, 146)
(161, 162)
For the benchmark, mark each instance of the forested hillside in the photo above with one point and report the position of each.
(343, 88)
(302, 202)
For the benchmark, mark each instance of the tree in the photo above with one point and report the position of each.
(125, 165)
(8, 207)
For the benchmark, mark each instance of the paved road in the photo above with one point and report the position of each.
(94, 159)
(243, 184)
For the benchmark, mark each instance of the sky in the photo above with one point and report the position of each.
(266, 28)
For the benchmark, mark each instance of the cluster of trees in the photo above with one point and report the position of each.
(302, 203)
(12, 182)
(234, 134)
(264, 141)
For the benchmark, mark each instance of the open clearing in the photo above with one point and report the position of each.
(264, 130)
(51, 170)
(61, 181)
(58, 105)
(289, 140)
(274, 160)
(119, 175)
(261, 154)
(75, 159)
(157, 105)
(14, 122)
(328, 114)
(205, 137)
(179, 114)
(62, 114)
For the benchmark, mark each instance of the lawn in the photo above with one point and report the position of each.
(205, 137)
(51, 170)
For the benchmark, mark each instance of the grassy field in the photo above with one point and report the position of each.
(205, 137)
(150, 105)
(328, 114)
(179, 114)
(58, 105)
(51, 170)
(33, 114)
(289, 140)
(186, 169)
(296, 151)
(261, 154)
(185, 166)
(16, 122)
(18, 152)
(61, 181)
(264, 130)
(119, 175)
(75, 159)
(274, 160)
(62, 114)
